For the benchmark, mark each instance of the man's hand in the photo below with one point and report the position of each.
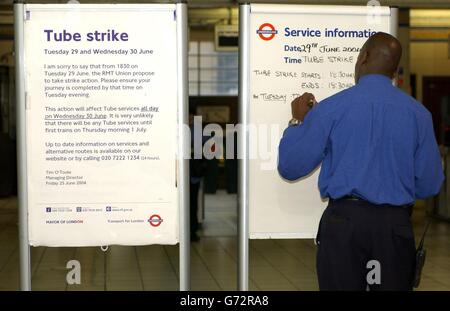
(302, 105)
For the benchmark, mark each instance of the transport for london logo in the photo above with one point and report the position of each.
(266, 31)
(155, 220)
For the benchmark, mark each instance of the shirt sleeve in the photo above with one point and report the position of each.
(302, 147)
(429, 173)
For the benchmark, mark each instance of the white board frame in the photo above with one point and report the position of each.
(245, 11)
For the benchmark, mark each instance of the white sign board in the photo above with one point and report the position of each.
(296, 49)
(101, 124)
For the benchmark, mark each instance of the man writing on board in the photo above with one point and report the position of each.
(378, 153)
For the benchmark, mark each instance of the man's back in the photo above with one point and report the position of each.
(378, 154)
(379, 145)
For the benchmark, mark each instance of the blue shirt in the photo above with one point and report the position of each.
(374, 142)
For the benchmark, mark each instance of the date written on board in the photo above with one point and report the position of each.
(271, 97)
(338, 49)
(306, 48)
(282, 97)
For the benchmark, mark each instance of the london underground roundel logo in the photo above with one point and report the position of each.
(266, 31)
(155, 220)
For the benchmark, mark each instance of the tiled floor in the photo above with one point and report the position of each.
(274, 264)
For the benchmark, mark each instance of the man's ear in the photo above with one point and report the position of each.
(395, 74)
(364, 57)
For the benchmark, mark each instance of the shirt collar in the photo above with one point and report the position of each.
(377, 78)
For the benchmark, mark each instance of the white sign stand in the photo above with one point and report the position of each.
(30, 144)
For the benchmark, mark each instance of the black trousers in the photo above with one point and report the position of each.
(361, 245)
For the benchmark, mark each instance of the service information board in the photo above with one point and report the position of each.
(296, 49)
(101, 119)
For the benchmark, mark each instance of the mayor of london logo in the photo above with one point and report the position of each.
(266, 31)
(155, 220)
